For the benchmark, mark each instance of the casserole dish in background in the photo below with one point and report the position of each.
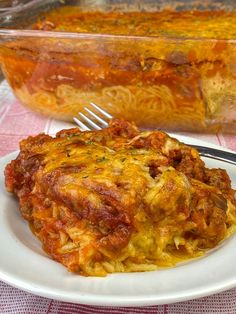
(159, 80)
(8, 9)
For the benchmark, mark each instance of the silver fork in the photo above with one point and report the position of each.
(99, 123)
(93, 125)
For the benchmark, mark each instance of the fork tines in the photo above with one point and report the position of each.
(97, 123)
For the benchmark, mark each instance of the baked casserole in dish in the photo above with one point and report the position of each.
(158, 64)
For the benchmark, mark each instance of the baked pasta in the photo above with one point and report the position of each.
(176, 71)
(120, 200)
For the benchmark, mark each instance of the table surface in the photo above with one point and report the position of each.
(16, 123)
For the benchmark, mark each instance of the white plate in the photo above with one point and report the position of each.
(23, 264)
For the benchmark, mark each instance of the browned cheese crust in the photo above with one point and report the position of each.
(120, 200)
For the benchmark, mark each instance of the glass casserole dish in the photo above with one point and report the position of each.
(158, 79)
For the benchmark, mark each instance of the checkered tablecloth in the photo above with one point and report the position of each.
(16, 123)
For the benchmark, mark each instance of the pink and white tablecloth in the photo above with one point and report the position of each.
(16, 123)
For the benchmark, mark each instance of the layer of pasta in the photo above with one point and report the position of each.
(120, 200)
(173, 70)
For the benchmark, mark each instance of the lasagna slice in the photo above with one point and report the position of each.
(120, 200)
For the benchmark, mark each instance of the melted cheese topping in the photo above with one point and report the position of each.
(190, 24)
(118, 200)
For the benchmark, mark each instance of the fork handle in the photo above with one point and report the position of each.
(216, 154)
